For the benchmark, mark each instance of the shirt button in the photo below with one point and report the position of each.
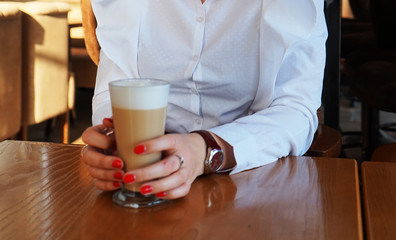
(198, 121)
(194, 91)
(200, 19)
(195, 58)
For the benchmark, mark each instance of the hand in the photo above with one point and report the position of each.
(106, 170)
(167, 178)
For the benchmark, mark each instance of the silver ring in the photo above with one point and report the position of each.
(108, 131)
(83, 149)
(181, 160)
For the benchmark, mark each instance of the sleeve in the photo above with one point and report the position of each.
(113, 31)
(284, 113)
(101, 105)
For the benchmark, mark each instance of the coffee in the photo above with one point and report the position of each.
(132, 127)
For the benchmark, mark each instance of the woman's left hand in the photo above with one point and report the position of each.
(172, 176)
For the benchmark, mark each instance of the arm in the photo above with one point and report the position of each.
(283, 119)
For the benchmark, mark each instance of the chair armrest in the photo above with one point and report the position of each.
(326, 143)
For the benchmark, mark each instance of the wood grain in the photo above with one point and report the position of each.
(47, 194)
(379, 184)
(44, 189)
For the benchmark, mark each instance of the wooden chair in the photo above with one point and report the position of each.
(82, 66)
(385, 153)
(45, 68)
(327, 141)
(89, 25)
(10, 70)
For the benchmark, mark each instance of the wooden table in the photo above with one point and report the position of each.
(379, 199)
(46, 193)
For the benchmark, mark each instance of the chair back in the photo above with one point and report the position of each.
(385, 153)
(89, 25)
(45, 78)
(10, 70)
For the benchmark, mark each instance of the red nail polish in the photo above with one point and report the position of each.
(108, 119)
(140, 149)
(129, 178)
(116, 184)
(146, 189)
(116, 163)
(118, 175)
(160, 194)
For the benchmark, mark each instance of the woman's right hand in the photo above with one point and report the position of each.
(100, 156)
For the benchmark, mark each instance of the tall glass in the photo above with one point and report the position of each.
(139, 113)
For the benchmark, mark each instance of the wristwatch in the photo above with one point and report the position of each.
(214, 156)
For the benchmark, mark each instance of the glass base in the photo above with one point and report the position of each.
(135, 199)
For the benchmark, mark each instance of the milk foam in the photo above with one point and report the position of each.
(141, 94)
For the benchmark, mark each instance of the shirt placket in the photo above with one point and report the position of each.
(193, 70)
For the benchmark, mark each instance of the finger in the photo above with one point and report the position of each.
(105, 175)
(162, 143)
(107, 185)
(174, 193)
(156, 170)
(175, 185)
(108, 122)
(179, 192)
(94, 136)
(94, 158)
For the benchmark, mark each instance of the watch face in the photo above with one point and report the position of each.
(216, 159)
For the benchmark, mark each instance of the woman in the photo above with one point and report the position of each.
(248, 72)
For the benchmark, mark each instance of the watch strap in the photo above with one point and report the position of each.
(210, 143)
(209, 139)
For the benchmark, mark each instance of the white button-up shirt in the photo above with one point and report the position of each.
(250, 71)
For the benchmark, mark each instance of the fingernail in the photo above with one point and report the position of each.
(146, 189)
(128, 178)
(117, 163)
(116, 184)
(108, 119)
(140, 149)
(160, 194)
(118, 175)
